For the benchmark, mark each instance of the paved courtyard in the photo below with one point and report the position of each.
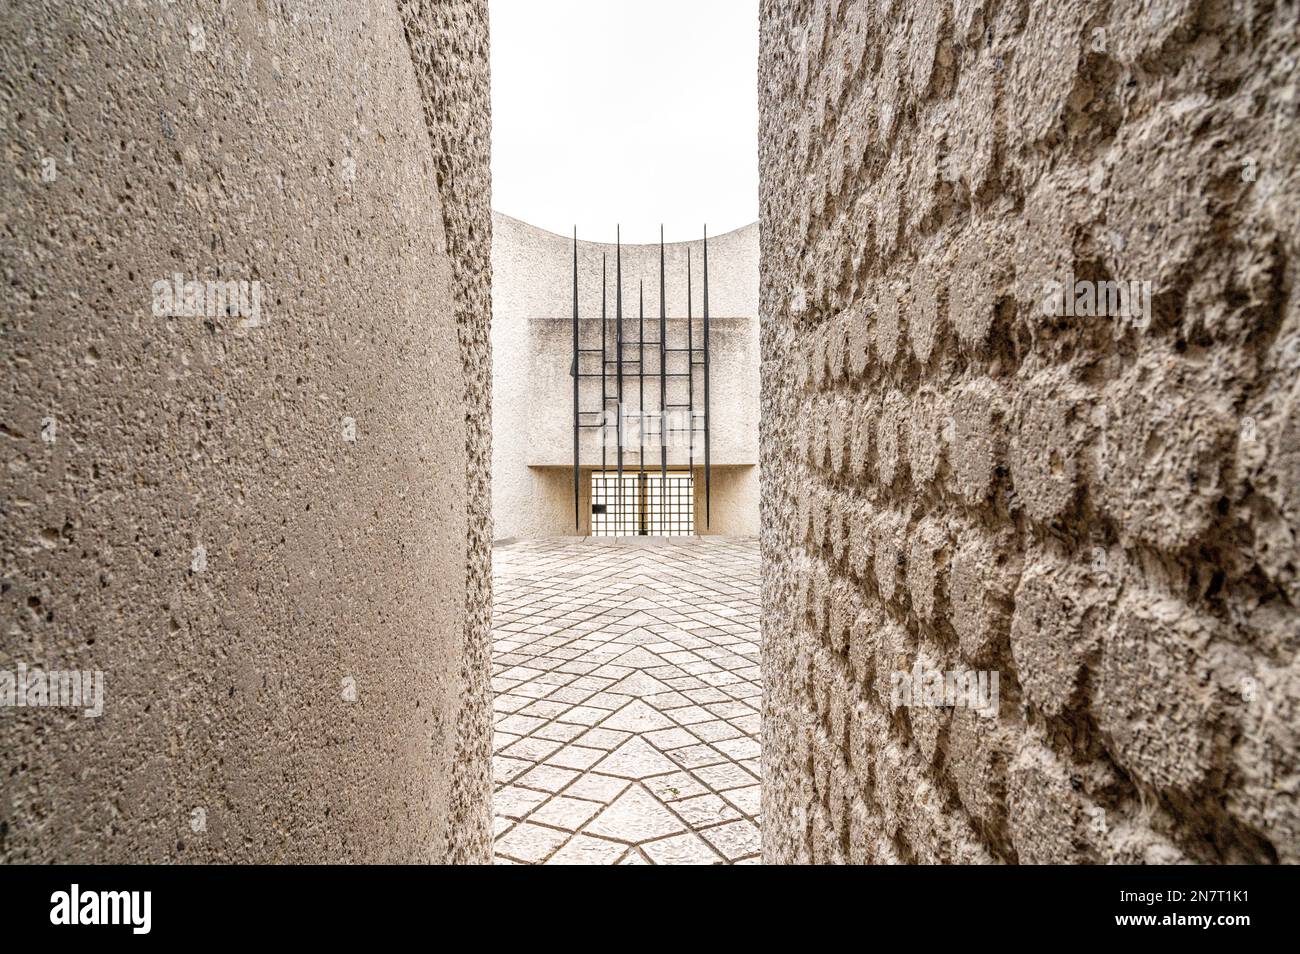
(627, 689)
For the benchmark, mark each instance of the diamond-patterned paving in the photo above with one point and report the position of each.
(627, 683)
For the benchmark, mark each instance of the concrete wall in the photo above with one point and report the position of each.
(532, 345)
(271, 536)
(1102, 510)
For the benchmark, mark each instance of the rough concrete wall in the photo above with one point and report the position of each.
(330, 460)
(1104, 511)
(732, 507)
(448, 40)
(532, 344)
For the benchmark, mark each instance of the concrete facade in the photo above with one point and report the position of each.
(267, 525)
(1104, 511)
(532, 345)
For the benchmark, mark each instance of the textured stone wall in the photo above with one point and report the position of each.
(270, 532)
(1103, 510)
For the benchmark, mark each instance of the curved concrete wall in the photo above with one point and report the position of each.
(532, 343)
(267, 530)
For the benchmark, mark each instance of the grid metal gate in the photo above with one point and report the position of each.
(627, 420)
(642, 504)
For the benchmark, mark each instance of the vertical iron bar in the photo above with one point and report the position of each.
(618, 311)
(576, 371)
(604, 366)
(640, 409)
(690, 365)
(663, 381)
(708, 472)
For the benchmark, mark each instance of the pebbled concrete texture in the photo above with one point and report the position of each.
(1103, 511)
(272, 536)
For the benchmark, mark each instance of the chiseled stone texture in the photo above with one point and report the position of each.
(331, 461)
(1103, 511)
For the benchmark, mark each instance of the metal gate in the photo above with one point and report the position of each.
(627, 501)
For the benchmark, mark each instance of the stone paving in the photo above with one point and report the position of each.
(627, 683)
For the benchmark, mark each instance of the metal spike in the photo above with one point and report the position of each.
(604, 365)
(618, 333)
(708, 470)
(640, 407)
(663, 381)
(576, 371)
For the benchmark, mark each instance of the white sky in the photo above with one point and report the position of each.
(614, 111)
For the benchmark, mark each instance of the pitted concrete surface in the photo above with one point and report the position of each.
(271, 536)
(627, 695)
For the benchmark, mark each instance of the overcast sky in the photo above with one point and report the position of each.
(612, 111)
